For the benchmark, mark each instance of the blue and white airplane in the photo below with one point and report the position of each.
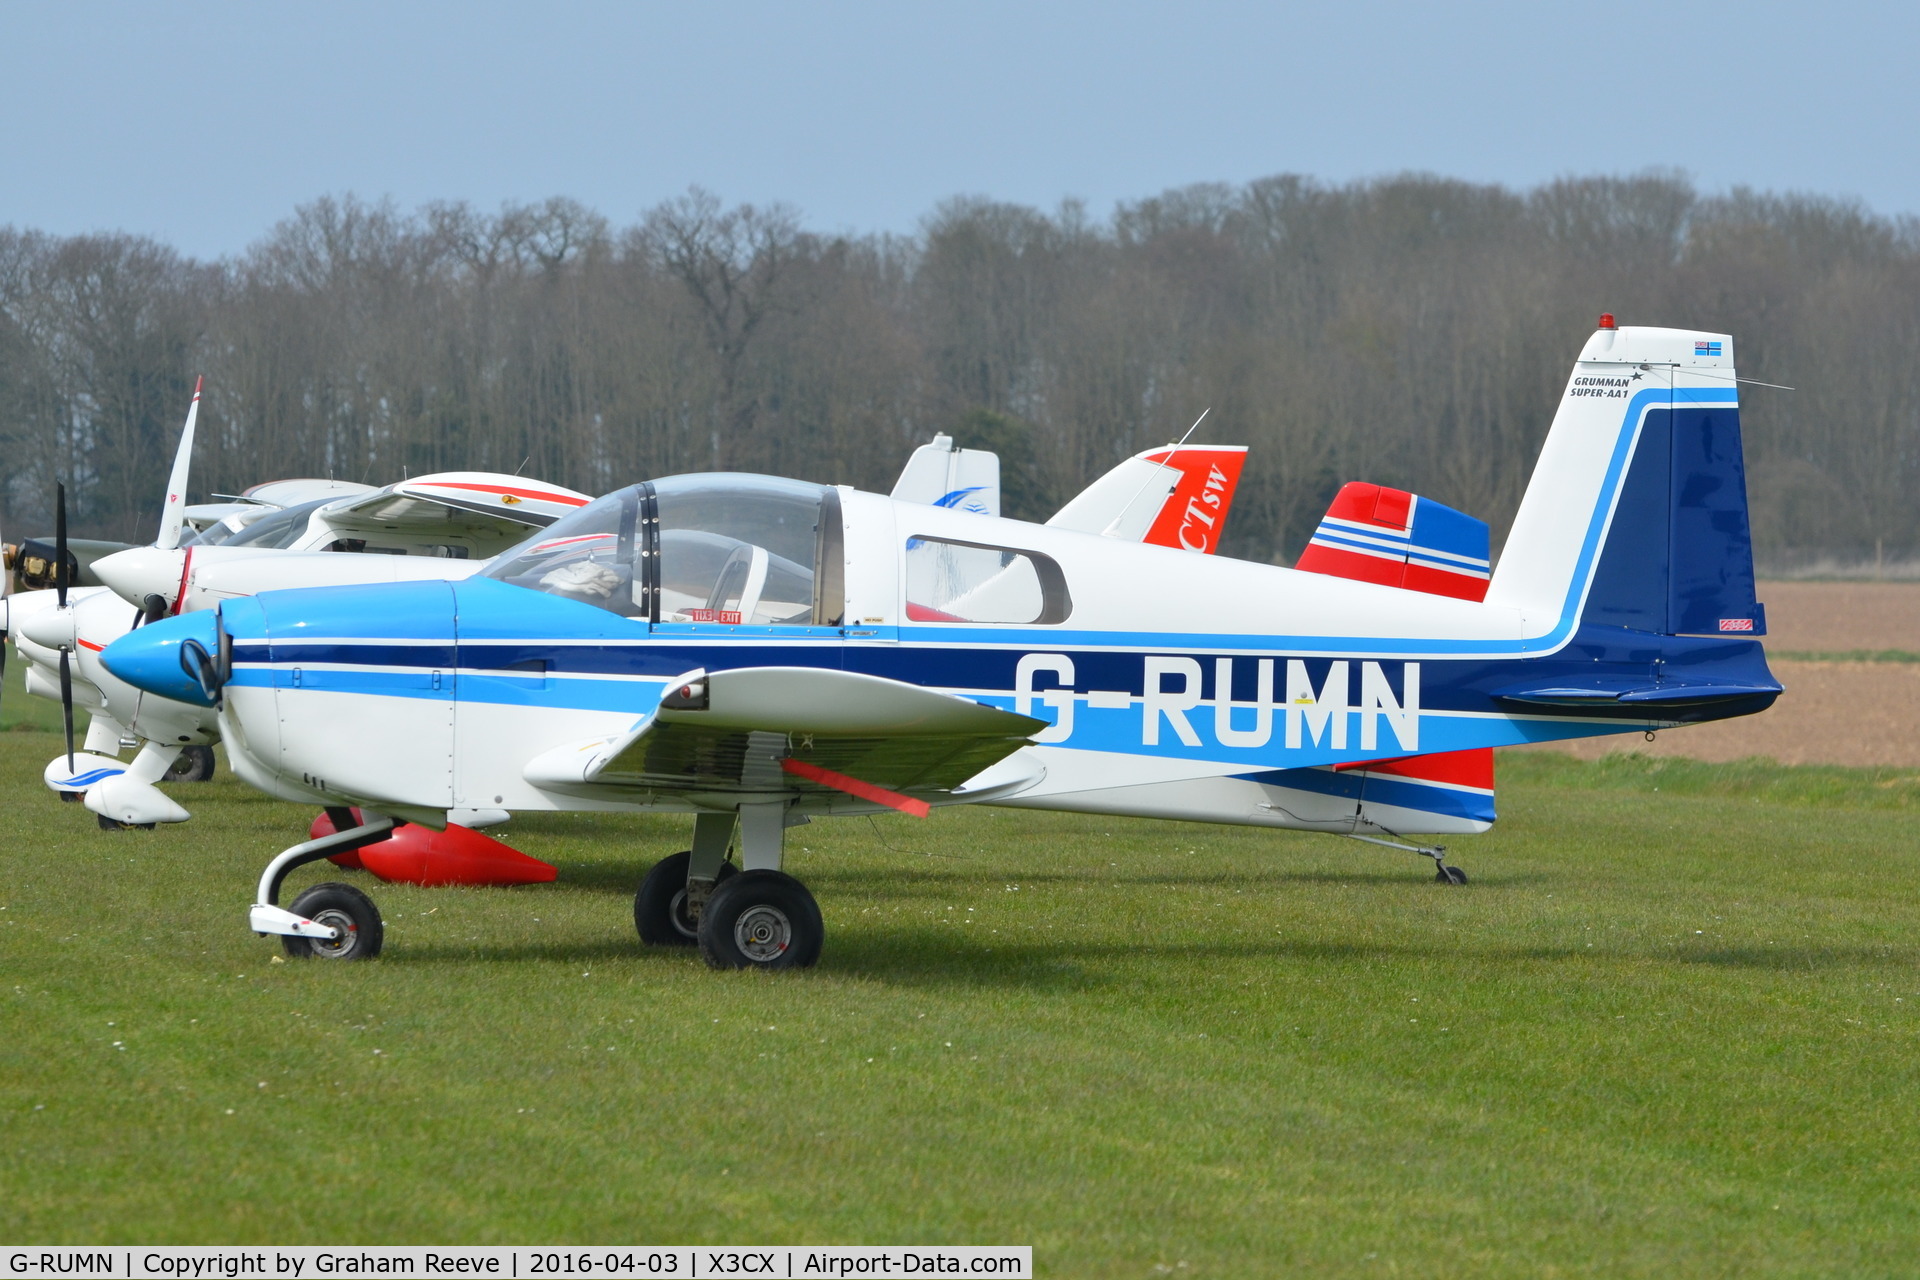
(758, 651)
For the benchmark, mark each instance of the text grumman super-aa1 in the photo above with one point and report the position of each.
(757, 652)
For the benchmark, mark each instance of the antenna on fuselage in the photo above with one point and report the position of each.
(1113, 528)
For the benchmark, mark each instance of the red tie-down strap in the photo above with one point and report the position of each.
(855, 787)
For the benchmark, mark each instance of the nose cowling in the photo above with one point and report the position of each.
(149, 658)
(138, 572)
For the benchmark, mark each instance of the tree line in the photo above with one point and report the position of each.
(1413, 331)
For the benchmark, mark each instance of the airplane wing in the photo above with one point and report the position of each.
(796, 731)
(479, 501)
(1173, 496)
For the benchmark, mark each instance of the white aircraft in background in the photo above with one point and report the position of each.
(758, 651)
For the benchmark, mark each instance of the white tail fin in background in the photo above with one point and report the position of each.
(939, 475)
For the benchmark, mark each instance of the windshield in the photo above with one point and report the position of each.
(281, 529)
(729, 549)
(587, 556)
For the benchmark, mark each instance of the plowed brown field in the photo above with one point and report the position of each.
(1852, 713)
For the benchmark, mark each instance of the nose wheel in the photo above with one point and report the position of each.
(349, 913)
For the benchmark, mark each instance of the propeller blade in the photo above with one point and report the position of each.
(6, 589)
(66, 704)
(174, 512)
(60, 583)
(153, 608)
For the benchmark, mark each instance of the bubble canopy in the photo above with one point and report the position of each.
(725, 547)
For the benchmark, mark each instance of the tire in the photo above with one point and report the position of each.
(114, 824)
(339, 905)
(660, 907)
(1450, 874)
(195, 764)
(761, 920)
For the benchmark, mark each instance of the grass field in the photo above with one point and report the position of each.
(1669, 1029)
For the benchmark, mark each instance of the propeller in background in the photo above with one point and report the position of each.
(6, 610)
(60, 584)
(173, 515)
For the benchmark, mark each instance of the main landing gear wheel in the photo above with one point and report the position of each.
(761, 920)
(345, 908)
(194, 765)
(660, 907)
(114, 824)
(1448, 874)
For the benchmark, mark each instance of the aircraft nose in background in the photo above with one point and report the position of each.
(149, 658)
(138, 572)
(49, 628)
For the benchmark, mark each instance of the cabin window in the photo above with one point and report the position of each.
(741, 550)
(735, 550)
(949, 581)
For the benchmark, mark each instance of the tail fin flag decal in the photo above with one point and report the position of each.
(1398, 539)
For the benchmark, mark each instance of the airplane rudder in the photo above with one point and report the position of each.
(1678, 552)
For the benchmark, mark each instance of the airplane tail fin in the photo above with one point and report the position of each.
(1173, 496)
(939, 475)
(1636, 515)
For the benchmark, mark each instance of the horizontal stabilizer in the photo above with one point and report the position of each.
(1398, 539)
(1601, 690)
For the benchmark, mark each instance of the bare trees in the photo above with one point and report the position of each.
(1412, 331)
(733, 264)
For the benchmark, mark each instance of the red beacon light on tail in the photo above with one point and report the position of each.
(1606, 320)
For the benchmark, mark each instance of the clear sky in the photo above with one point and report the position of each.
(204, 123)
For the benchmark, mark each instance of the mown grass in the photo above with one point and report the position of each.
(1843, 655)
(1669, 1029)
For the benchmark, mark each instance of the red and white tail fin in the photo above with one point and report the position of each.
(1173, 496)
(1400, 539)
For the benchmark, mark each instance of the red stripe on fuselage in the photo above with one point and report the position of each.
(1458, 768)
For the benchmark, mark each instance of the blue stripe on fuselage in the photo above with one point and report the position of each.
(1405, 793)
